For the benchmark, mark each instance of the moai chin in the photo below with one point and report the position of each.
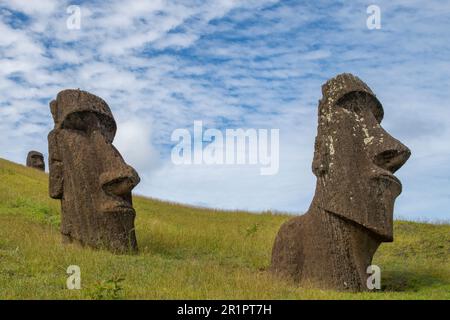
(35, 160)
(89, 175)
(332, 245)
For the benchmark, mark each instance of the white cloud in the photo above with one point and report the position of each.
(31, 8)
(163, 64)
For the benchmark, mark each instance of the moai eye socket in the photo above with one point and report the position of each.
(88, 122)
(77, 122)
(355, 101)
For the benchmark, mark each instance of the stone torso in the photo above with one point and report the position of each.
(322, 250)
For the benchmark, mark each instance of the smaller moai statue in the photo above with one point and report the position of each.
(35, 160)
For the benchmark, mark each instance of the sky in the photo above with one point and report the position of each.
(161, 65)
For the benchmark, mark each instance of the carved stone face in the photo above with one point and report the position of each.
(89, 175)
(355, 158)
(36, 160)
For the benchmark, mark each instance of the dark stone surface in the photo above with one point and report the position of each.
(89, 175)
(35, 160)
(332, 245)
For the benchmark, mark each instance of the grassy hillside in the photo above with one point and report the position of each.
(187, 253)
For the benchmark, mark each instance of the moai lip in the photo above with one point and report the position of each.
(35, 160)
(89, 175)
(351, 214)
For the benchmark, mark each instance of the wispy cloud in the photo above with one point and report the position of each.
(163, 64)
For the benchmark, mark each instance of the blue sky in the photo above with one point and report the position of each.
(252, 64)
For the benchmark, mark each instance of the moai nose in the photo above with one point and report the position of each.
(118, 178)
(120, 183)
(393, 155)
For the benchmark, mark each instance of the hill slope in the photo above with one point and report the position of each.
(187, 253)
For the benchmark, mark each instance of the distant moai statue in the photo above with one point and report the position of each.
(35, 160)
(89, 175)
(332, 245)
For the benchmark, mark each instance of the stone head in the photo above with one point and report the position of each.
(88, 173)
(355, 158)
(35, 160)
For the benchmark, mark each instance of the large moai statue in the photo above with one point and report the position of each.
(35, 160)
(89, 175)
(331, 246)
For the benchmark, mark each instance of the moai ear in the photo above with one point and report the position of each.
(53, 110)
(55, 163)
(320, 162)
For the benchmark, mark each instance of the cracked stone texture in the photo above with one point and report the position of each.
(89, 175)
(331, 246)
(35, 160)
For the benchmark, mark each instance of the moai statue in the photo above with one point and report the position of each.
(36, 160)
(331, 246)
(89, 175)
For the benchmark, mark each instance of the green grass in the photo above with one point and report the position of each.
(187, 253)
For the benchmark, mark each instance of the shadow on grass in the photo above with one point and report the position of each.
(405, 280)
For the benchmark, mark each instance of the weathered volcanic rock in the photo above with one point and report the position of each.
(35, 160)
(332, 245)
(89, 175)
